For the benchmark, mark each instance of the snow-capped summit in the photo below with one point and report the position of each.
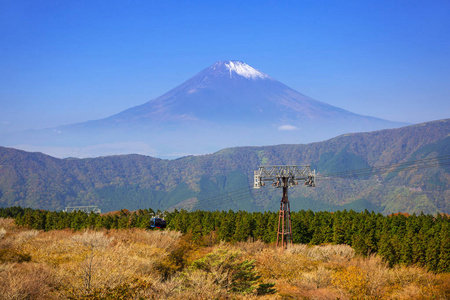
(233, 69)
(244, 70)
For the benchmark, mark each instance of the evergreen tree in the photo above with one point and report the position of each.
(50, 221)
(227, 227)
(243, 227)
(300, 230)
(338, 229)
(260, 225)
(385, 248)
(433, 250)
(444, 253)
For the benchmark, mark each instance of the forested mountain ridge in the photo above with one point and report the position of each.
(211, 181)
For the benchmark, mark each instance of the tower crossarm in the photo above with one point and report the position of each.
(291, 174)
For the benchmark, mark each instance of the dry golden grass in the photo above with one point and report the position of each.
(134, 262)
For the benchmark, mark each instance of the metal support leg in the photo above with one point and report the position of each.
(284, 219)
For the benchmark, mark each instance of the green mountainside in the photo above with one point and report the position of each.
(223, 180)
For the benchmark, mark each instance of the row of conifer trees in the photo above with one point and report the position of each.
(400, 239)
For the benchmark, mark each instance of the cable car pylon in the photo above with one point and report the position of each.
(284, 177)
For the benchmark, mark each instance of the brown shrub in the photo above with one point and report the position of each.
(10, 255)
(28, 281)
(273, 264)
(444, 285)
(93, 239)
(321, 294)
(251, 247)
(107, 266)
(378, 275)
(415, 283)
(162, 239)
(54, 248)
(2, 233)
(321, 277)
(8, 224)
(199, 284)
(165, 289)
(351, 281)
(177, 258)
(323, 252)
(25, 236)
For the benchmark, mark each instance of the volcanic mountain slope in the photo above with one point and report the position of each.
(232, 92)
(223, 180)
(228, 104)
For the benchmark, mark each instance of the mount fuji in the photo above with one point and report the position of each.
(227, 104)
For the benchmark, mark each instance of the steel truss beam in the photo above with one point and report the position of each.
(277, 173)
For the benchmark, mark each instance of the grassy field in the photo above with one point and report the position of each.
(143, 264)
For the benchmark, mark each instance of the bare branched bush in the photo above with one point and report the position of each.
(378, 275)
(2, 233)
(337, 251)
(27, 281)
(409, 282)
(323, 252)
(54, 248)
(25, 236)
(321, 294)
(321, 277)
(251, 247)
(163, 239)
(125, 261)
(297, 248)
(94, 242)
(6, 267)
(8, 224)
(199, 284)
(351, 282)
(93, 239)
(273, 264)
(131, 256)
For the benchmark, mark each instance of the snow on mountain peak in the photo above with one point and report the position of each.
(244, 70)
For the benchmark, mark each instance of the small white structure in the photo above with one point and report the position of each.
(86, 209)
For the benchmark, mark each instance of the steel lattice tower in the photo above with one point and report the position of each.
(284, 177)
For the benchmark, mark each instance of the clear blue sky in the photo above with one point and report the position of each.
(70, 61)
